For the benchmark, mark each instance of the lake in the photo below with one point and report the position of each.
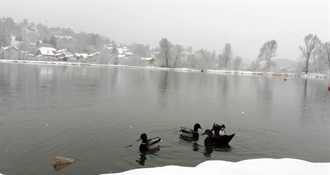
(94, 113)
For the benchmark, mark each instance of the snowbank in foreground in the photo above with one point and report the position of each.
(247, 167)
(309, 75)
(263, 166)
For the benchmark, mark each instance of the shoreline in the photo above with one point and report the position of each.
(212, 71)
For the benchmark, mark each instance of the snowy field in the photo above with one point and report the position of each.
(309, 75)
(247, 167)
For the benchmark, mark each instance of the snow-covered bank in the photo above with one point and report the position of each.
(96, 65)
(247, 167)
(286, 166)
(309, 75)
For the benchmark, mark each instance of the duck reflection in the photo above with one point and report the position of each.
(195, 146)
(143, 156)
(194, 142)
(208, 151)
(142, 159)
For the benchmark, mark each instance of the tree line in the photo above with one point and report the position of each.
(315, 55)
(313, 52)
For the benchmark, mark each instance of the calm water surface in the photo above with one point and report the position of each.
(93, 113)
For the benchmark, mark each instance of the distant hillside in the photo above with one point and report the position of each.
(285, 63)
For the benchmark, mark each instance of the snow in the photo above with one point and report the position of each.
(286, 166)
(84, 55)
(309, 75)
(47, 51)
(146, 58)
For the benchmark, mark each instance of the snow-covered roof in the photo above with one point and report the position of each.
(9, 47)
(120, 51)
(63, 50)
(84, 55)
(121, 56)
(47, 51)
(286, 166)
(147, 58)
(64, 37)
(129, 53)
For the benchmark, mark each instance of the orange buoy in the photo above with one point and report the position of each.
(329, 88)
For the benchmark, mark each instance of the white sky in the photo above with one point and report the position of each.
(246, 25)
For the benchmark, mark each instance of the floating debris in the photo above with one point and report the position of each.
(61, 162)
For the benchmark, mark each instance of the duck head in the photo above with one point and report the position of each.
(143, 146)
(197, 126)
(223, 127)
(208, 133)
(216, 127)
(143, 137)
(208, 139)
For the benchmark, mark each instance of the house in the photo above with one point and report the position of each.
(65, 37)
(46, 51)
(65, 54)
(10, 53)
(129, 54)
(149, 60)
(122, 57)
(81, 55)
(36, 44)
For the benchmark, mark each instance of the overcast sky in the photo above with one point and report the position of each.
(246, 25)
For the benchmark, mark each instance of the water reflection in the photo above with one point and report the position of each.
(195, 146)
(143, 156)
(208, 151)
(163, 89)
(194, 142)
(142, 159)
(305, 90)
(113, 79)
(224, 148)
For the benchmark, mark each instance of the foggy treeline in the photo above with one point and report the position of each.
(28, 37)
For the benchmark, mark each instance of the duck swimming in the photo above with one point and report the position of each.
(219, 138)
(186, 132)
(148, 144)
(208, 140)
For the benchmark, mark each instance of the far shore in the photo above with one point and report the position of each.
(234, 72)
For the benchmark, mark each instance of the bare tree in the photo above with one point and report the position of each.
(226, 55)
(311, 42)
(267, 52)
(220, 61)
(165, 49)
(327, 52)
(237, 62)
(178, 49)
(114, 54)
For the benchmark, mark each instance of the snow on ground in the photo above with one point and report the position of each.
(261, 166)
(309, 75)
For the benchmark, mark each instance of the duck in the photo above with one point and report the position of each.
(148, 144)
(209, 138)
(219, 130)
(190, 133)
(223, 130)
(219, 137)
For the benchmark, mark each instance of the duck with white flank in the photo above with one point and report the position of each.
(219, 138)
(190, 133)
(148, 144)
